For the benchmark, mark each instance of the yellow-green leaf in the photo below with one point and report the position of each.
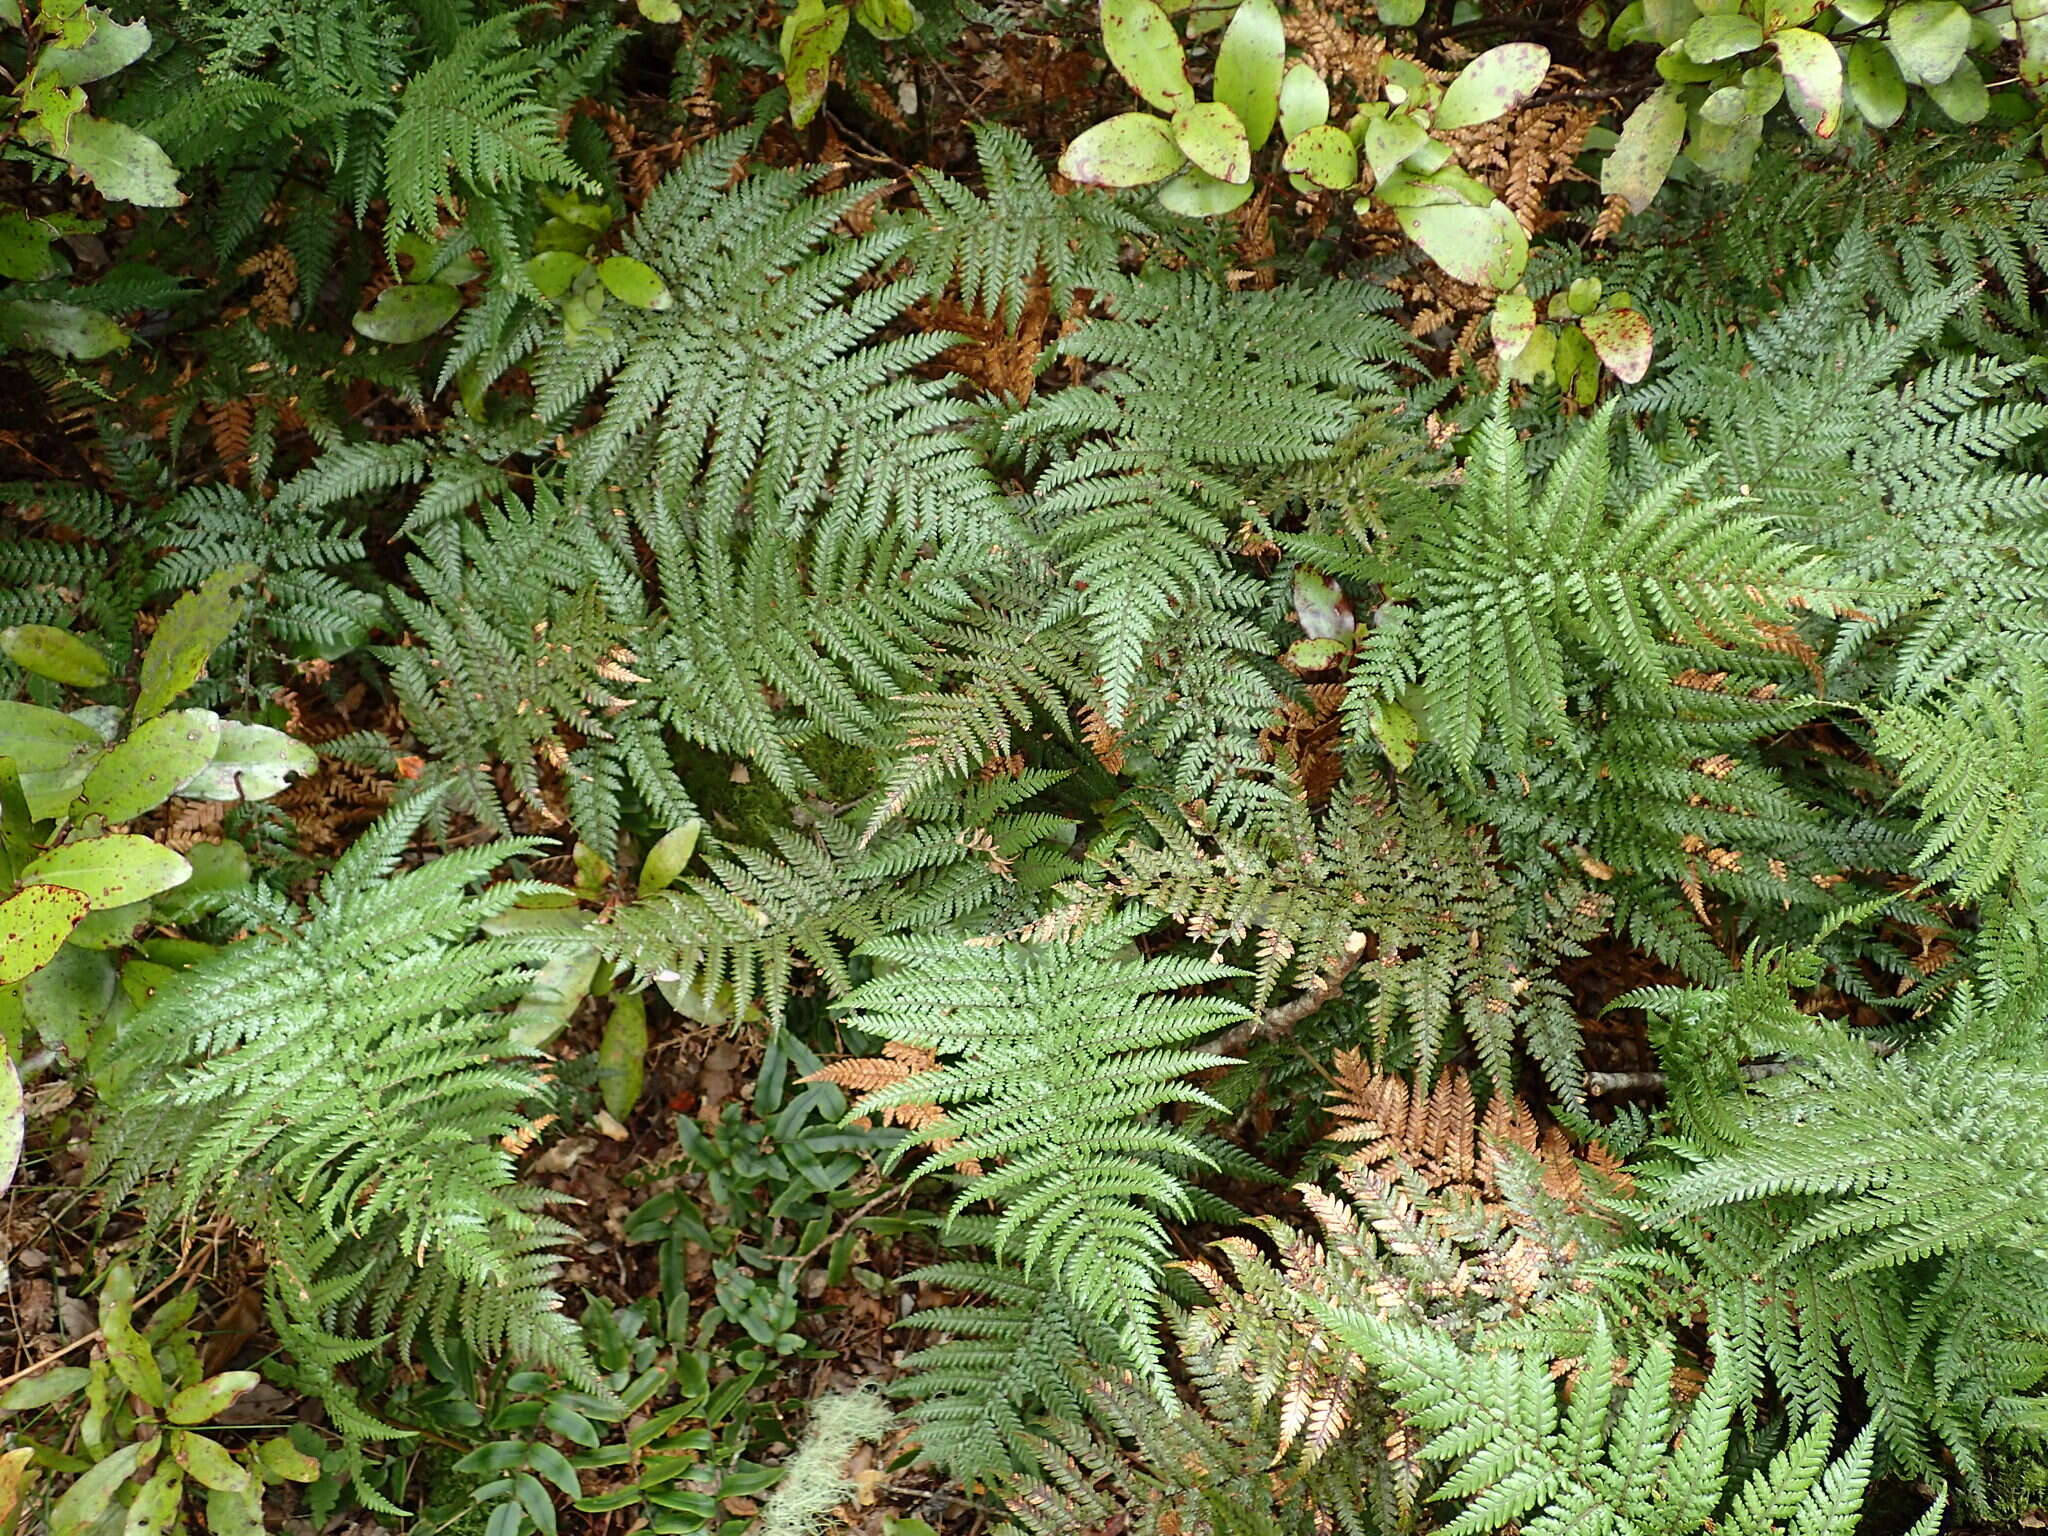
(122, 163)
(1638, 164)
(622, 1055)
(1493, 84)
(208, 1462)
(1623, 340)
(1195, 194)
(1139, 39)
(1875, 85)
(56, 654)
(1210, 135)
(204, 1400)
(407, 312)
(1132, 149)
(668, 858)
(1813, 79)
(1304, 100)
(1249, 62)
(110, 871)
(1325, 156)
(33, 926)
(634, 282)
(197, 622)
(1929, 39)
(143, 771)
(87, 1499)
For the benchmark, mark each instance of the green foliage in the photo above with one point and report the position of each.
(386, 1211)
(131, 1430)
(1056, 1059)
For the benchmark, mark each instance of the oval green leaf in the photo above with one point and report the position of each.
(553, 271)
(1249, 63)
(54, 653)
(143, 771)
(1493, 84)
(634, 282)
(1388, 141)
(64, 330)
(1962, 95)
(13, 1122)
(622, 1055)
(810, 40)
(1210, 135)
(111, 48)
(1304, 100)
(408, 312)
(1325, 155)
(1195, 194)
(1623, 340)
(197, 622)
(1875, 85)
(286, 1462)
(1640, 161)
(1513, 325)
(110, 871)
(1140, 42)
(154, 1509)
(1484, 246)
(33, 926)
(207, 1462)
(122, 163)
(1722, 37)
(252, 762)
(1813, 79)
(669, 857)
(87, 1499)
(1928, 38)
(1133, 149)
(43, 740)
(887, 20)
(207, 1399)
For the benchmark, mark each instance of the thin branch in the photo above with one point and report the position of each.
(1278, 1021)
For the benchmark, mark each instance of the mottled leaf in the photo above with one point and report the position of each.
(122, 164)
(1636, 167)
(1141, 44)
(1210, 135)
(252, 762)
(1132, 149)
(1623, 340)
(1304, 100)
(408, 312)
(1493, 84)
(1813, 79)
(1929, 39)
(110, 871)
(33, 926)
(197, 623)
(143, 771)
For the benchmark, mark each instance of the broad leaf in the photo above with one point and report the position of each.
(1929, 39)
(111, 48)
(1493, 84)
(1638, 164)
(634, 282)
(1249, 62)
(1513, 324)
(1813, 79)
(110, 871)
(143, 771)
(87, 1499)
(1962, 95)
(1140, 42)
(887, 20)
(668, 858)
(56, 654)
(1195, 194)
(207, 1399)
(1721, 37)
(12, 1119)
(810, 40)
(65, 330)
(1875, 86)
(1133, 149)
(1304, 100)
(1210, 135)
(207, 1462)
(1388, 141)
(1325, 156)
(553, 271)
(622, 1055)
(122, 163)
(33, 926)
(1623, 339)
(252, 762)
(408, 312)
(197, 623)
